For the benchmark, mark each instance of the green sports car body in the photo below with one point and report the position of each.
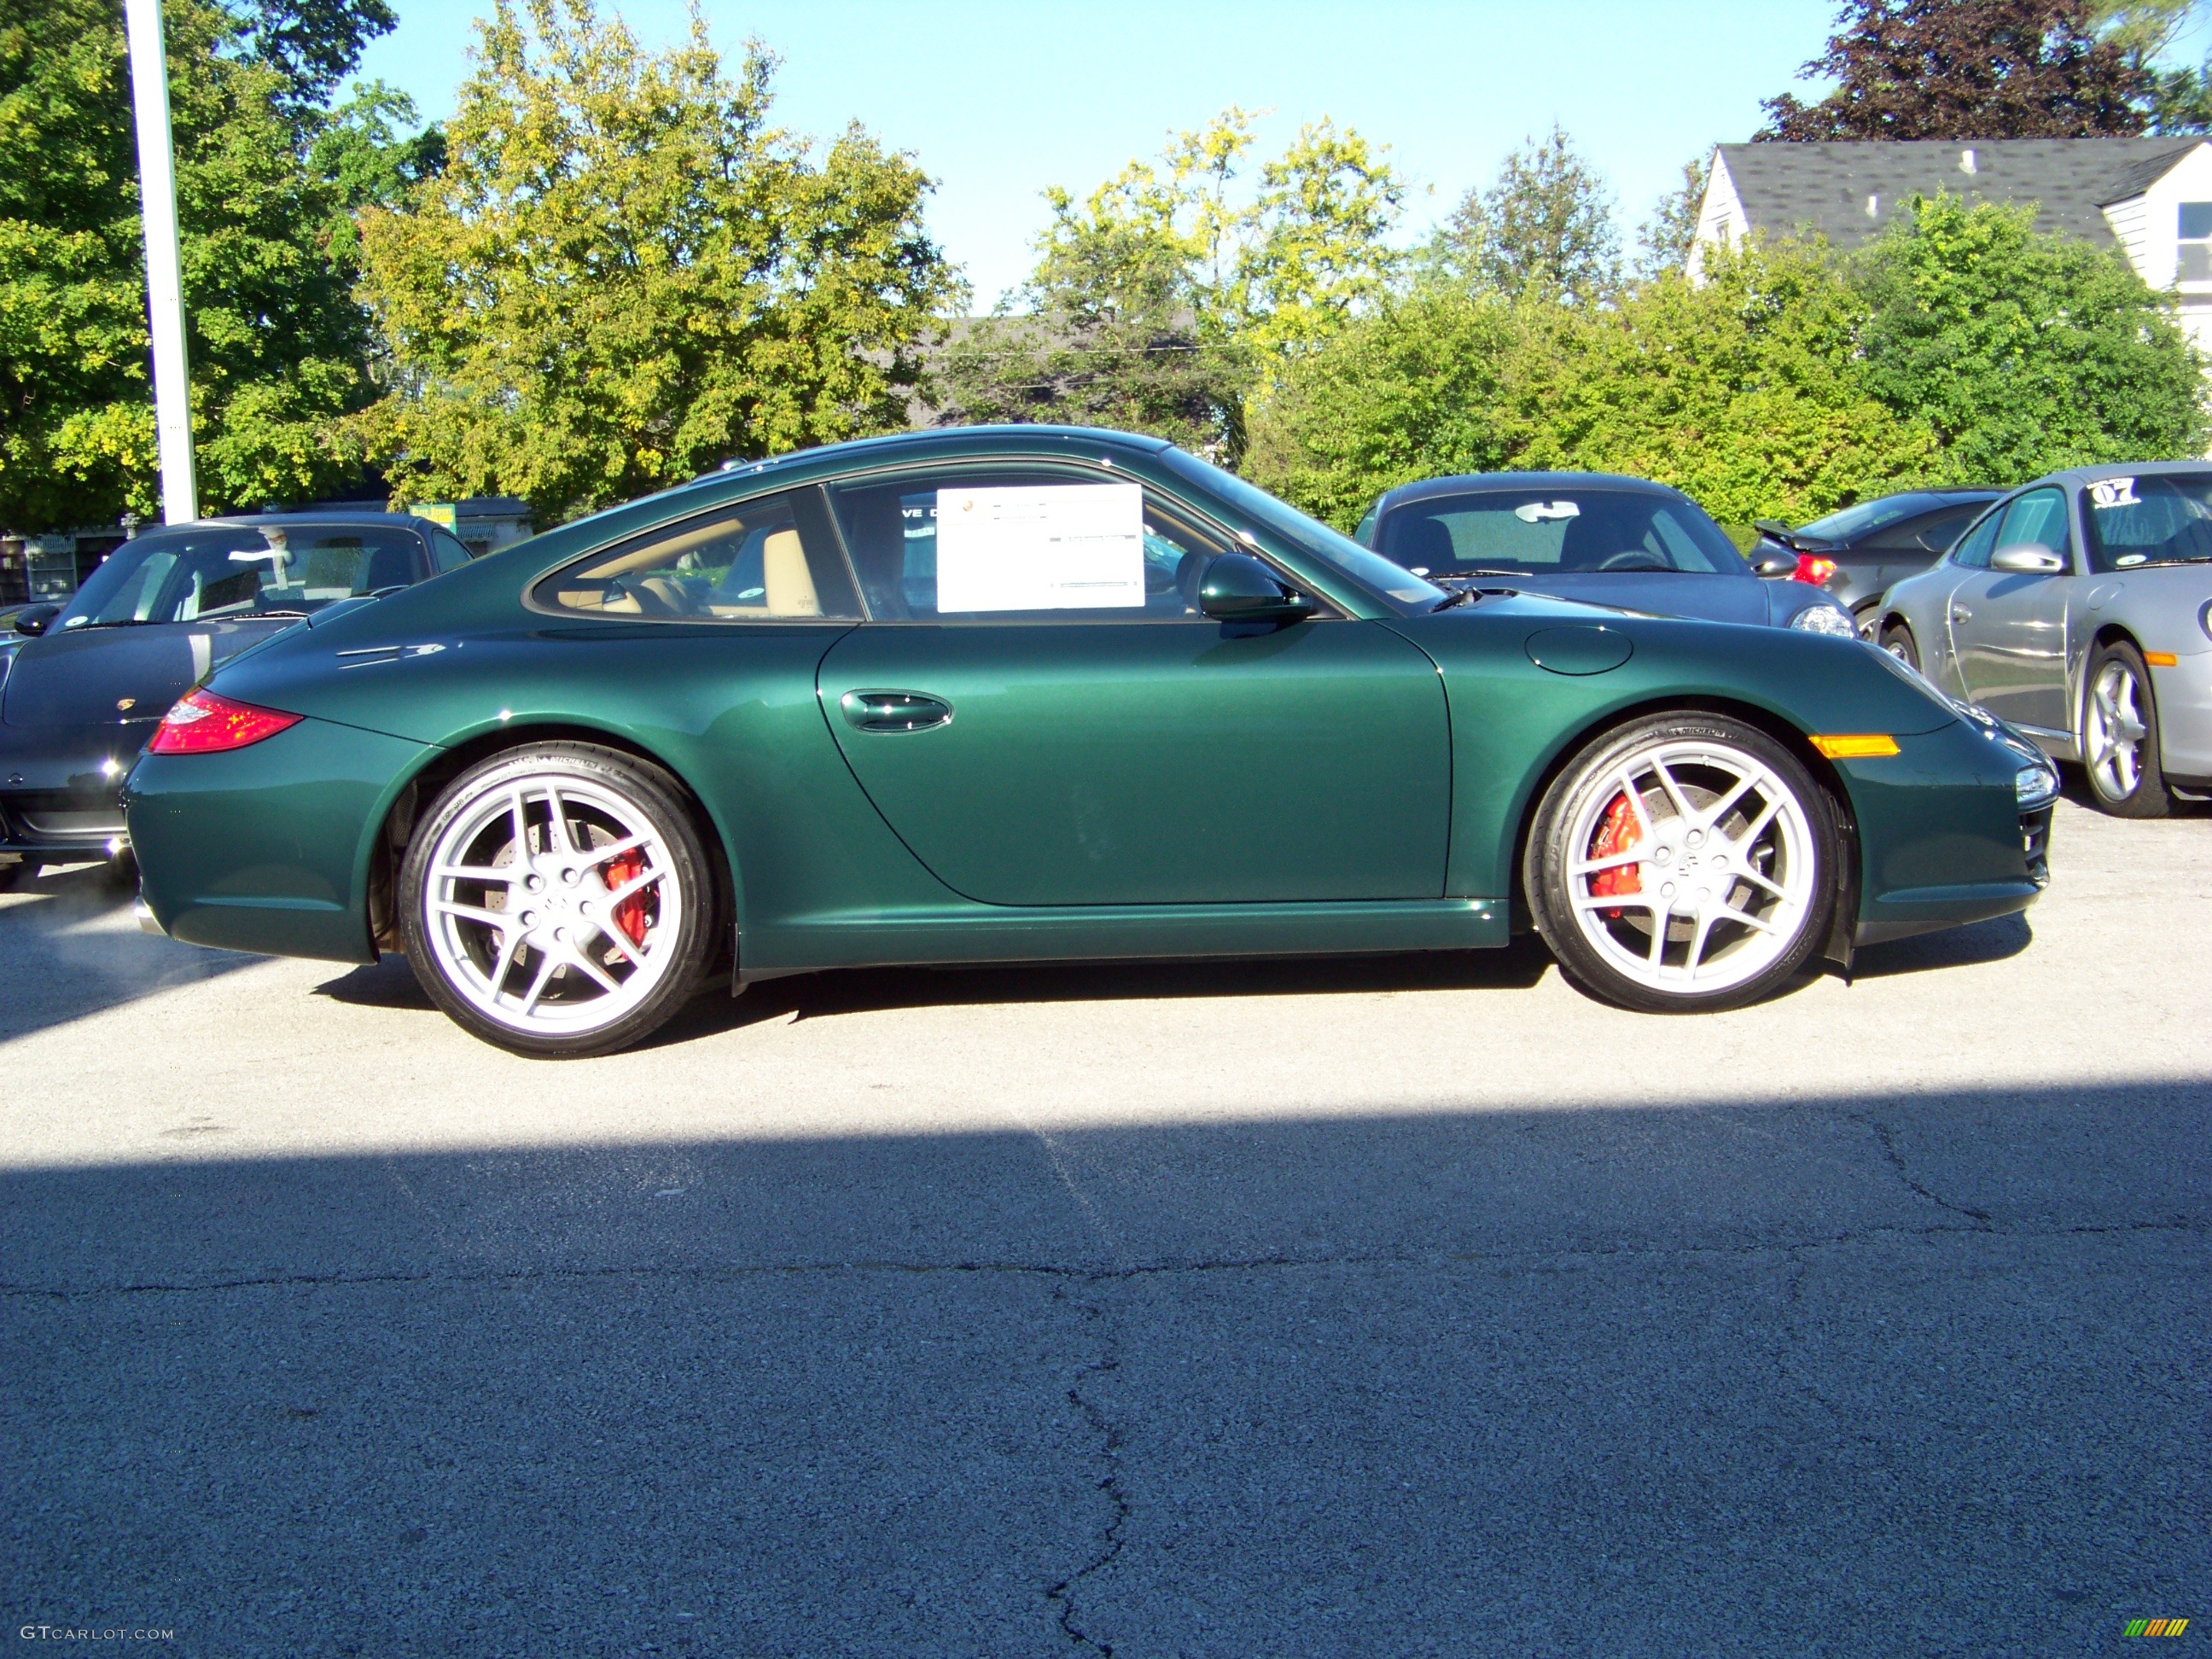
(1009, 694)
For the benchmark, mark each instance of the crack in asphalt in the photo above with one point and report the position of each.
(1061, 1595)
(1886, 1138)
(1535, 1260)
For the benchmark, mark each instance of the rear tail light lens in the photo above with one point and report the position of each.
(1813, 570)
(204, 724)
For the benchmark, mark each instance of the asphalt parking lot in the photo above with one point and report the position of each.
(1391, 1308)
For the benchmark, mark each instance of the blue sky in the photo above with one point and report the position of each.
(998, 100)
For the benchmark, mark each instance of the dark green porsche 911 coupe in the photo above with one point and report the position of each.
(1033, 693)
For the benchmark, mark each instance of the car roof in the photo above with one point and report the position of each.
(1468, 484)
(2078, 475)
(892, 445)
(250, 520)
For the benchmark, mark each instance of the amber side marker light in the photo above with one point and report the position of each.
(204, 724)
(1867, 745)
(2161, 658)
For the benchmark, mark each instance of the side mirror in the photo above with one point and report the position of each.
(2027, 559)
(36, 618)
(1238, 587)
(1777, 562)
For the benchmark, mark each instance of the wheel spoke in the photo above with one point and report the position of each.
(1616, 902)
(510, 946)
(1704, 929)
(1718, 809)
(1628, 787)
(1752, 873)
(518, 813)
(1662, 914)
(498, 875)
(1682, 806)
(1611, 861)
(616, 849)
(616, 895)
(499, 919)
(545, 972)
(557, 838)
(593, 970)
(621, 942)
(1730, 913)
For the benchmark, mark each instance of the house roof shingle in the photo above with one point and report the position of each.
(1787, 188)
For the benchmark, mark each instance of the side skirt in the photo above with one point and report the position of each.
(981, 934)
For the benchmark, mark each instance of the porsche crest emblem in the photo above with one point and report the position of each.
(124, 705)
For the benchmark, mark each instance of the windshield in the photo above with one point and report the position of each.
(1853, 522)
(1555, 530)
(2133, 522)
(1392, 581)
(239, 571)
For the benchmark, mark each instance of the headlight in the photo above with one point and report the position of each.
(1825, 619)
(2035, 786)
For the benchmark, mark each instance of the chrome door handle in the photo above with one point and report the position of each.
(894, 711)
(1960, 613)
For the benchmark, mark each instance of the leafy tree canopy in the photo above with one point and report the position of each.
(2023, 353)
(1959, 347)
(275, 344)
(1975, 68)
(1546, 223)
(1171, 294)
(624, 275)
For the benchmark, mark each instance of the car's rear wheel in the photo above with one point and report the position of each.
(557, 899)
(1684, 863)
(1897, 640)
(2119, 735)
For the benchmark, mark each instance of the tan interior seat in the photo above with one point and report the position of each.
(785, 575)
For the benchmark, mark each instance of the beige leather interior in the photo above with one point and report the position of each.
(790, 584)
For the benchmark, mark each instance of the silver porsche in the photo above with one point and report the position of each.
(2076, 608)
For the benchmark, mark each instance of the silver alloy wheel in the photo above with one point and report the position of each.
(552, 905)
(2114, 730)
(1693, 866)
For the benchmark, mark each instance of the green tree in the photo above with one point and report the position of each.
(1665, 237)
(275, 344)
(1745, 390)
(1547, 222)
(1172, 296)
(1417, 388)
(2024, 353)
(624, 275)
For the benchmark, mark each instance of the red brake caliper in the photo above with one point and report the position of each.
(629, 913)
(1617, 832)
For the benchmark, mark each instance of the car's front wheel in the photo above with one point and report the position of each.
(1684, 863)
(1897, 640)
(2119, 735)
(557, 899)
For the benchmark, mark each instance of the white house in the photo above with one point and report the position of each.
(2153, 196)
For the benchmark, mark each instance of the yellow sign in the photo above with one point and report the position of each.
(437, 512)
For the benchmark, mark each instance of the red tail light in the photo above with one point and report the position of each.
(204, 724)
(1813, 570)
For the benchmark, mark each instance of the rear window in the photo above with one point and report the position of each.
(1551, 530)
(206, 573)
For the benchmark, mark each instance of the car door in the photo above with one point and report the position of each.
(2010, 627)
(1040, 712)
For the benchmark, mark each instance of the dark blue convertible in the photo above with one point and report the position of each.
(1590, 536)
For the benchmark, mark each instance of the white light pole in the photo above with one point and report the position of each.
(165, 284)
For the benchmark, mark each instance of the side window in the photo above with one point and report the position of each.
(768, 560)
(2193, 242)
(448, 551)
(1021, 544)
(2038, 516)
(1973, 553)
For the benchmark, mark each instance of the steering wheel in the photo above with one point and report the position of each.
(1636, 558)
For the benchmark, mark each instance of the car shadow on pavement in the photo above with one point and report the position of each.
(1954, 947)
(392, 984)
(57, 932)
(1868, 1374)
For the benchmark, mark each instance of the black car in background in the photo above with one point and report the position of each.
(83, 683)
(1855, 554)
(1595, 537)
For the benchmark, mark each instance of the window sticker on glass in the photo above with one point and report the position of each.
(2113, 492)
(1545, 512)
(1050, 547)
